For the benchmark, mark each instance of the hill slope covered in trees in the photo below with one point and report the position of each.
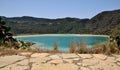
(103, 23)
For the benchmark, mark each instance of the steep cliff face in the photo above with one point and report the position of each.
(104, 22)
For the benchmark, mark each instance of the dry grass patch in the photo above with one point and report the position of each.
(72, 48)
(8, 51)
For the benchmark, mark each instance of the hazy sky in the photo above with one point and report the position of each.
(56, 8)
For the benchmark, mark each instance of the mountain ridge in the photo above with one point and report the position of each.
(102, 23)
(108, 20)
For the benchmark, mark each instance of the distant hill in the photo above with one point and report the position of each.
(102, 23)
(32, 25)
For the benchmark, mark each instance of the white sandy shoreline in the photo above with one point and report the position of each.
(60, 35)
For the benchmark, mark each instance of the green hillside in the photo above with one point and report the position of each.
(103, 23)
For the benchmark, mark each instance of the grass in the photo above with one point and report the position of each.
(80, 47)
(72, 47)
(107, 48)
(8, 51)
(13, 51)
(55, 46)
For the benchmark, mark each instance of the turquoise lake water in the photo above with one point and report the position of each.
(63, 41)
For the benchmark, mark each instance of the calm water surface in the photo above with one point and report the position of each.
(63, 41)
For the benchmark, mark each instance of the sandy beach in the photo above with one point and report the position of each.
(60, 35)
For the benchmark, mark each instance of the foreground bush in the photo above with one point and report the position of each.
(7, 40)
(108, 47)
(72, 48)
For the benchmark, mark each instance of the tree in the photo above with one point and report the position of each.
(7, 40)
(2, 35)
(5, 36)
(115, 36)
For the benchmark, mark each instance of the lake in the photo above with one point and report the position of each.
(63, 40)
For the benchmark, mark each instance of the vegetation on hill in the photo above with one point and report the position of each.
(102, 23)
(30, 25)
(6, 39)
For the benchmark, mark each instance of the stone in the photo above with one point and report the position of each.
(40, 59)
(25, 53)
(105, 65)
(118, 59)
(89, 62)
(111, 59)
(54, 57)
(14, 67)
(45, 60)
(100, 68)
(116, 55)
(100, 56)
(84, 68)
(68, 56)
(75, 60)
(118, 63)
(69, 66)
(36, 60)
(79, 64)
(55, 62)
(22, 63)
(6, 60)
(48, 66)
(85, 56)
(40, 55)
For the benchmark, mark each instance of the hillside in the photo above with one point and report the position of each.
(31, 25)
(102, 23)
